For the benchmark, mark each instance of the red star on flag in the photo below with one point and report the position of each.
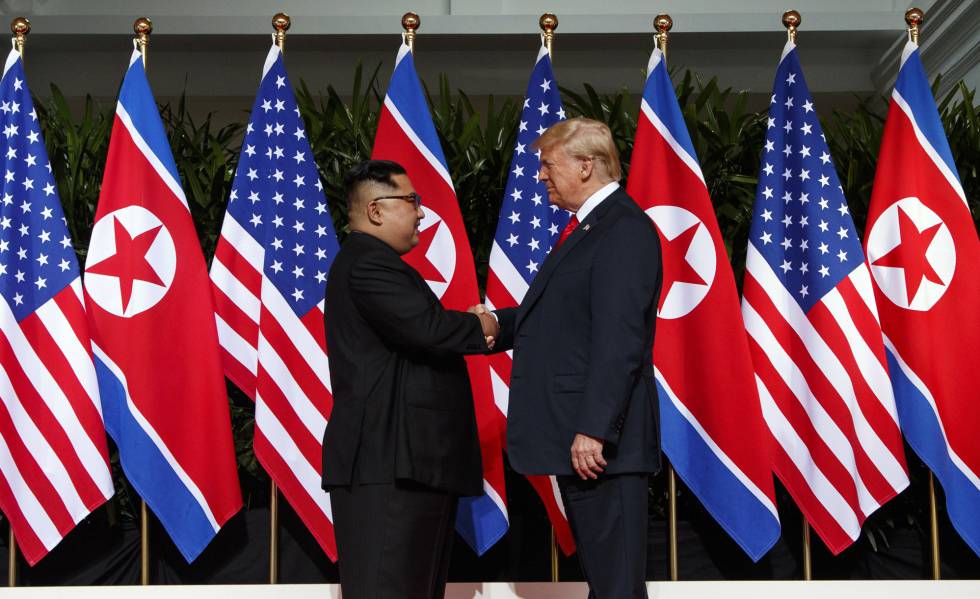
(129, 263)
(676, 267)
(419, 261)
(910, 254)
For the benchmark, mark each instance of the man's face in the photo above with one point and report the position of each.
(563, 177)
(400, 217)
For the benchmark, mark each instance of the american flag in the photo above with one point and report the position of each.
(54, 467)
(527, 229)
(269, 274)
(809, 309)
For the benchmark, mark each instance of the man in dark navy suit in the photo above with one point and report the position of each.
(583, 403)
(401, 444)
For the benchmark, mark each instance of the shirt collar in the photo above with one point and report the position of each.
(595, 199)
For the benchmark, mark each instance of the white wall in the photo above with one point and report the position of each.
(214, 49)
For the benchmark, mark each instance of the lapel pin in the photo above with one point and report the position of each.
(586, 227)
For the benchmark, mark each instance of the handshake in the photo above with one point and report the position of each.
(491, 328)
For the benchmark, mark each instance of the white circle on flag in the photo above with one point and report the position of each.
(682, 296)
(939, 258)
(438, 252)
(137, 241)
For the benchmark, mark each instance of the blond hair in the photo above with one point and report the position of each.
(587, 139)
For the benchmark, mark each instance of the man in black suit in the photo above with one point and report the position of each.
(583, 403)
(401, 444)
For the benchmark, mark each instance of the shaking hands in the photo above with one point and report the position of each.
(489, 323)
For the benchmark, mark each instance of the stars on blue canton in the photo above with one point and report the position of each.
(529, 225)
(801, 223)
(277, 195)
(37, 259)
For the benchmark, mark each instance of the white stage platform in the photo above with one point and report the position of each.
(915, 589)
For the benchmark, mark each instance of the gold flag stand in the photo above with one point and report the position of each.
(20, 27)
(662, 24)
(914, 18)
(280, 23)
(143, 27)
(791, 21)
(548, 23)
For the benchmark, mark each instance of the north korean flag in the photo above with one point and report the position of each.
(922, 247)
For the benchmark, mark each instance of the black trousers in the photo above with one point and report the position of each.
(609, 521)
(393, 540)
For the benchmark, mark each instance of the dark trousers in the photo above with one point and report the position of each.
(393, 540)
(609, 518)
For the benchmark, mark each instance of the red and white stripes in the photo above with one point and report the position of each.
(54, 466)
(826, 398)
(280, 360)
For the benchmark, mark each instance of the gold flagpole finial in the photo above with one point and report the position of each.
(914, 17)
(143, 27)
(410, 23)
(20, 27)
(663, 24)
(791, 21)
(548, 23)
(281, 23)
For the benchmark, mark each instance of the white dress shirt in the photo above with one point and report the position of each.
(595, 199)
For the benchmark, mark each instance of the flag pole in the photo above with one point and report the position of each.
(20, 27)
(913, 18)
(672, 521)
(410, 23)
(144, 544)
(663, 24)
(281, 23)
(548, 23)
(554, 555)
(11, 558)
(933, 527)
(142, 27)
(807, 556)
(791, 21)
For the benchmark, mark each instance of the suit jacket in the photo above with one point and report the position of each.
(583, 343)
(402, 402)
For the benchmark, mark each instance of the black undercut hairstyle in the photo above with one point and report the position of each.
(377, 171)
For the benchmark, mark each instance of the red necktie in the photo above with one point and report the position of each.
(572, 223)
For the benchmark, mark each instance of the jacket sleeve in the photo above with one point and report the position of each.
(505, 339)
(625, 282)
(405, 315)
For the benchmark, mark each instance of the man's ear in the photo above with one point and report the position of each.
(586, 169)
(374, 213)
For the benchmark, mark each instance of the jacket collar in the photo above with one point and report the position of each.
(595, 199)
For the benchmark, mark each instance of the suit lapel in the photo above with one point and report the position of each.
(555, 257)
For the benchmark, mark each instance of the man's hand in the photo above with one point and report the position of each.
(587, 460)
(490, 326)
